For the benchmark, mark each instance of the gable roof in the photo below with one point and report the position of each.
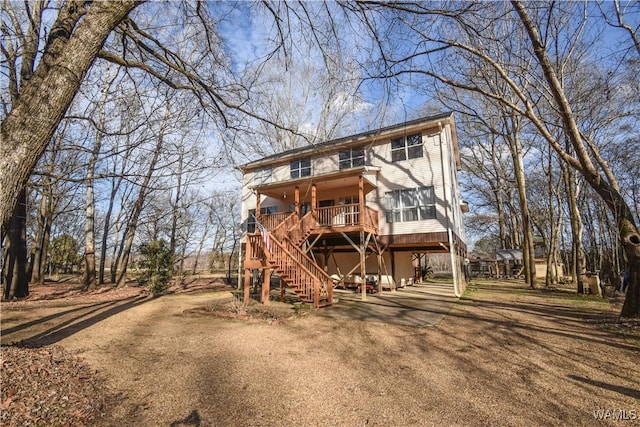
(356, 139)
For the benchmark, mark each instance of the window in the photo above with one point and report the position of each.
(351, 158)
(251, 219)
(268, 210)
(349, 200)
(262, 176)
(325, 203)
(300, 168)
(412, 204)
(404, 148)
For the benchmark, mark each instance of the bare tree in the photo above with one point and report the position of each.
(144, 189)
(75, 38)
(464, 34)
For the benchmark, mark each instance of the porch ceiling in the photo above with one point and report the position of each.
(324, 183)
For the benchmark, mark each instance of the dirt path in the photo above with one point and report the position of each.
(502, 356)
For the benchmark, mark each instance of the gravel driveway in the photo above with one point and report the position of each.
(503, 355)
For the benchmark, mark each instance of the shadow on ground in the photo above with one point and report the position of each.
(55, 327)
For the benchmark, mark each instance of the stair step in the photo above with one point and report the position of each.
(299, 281)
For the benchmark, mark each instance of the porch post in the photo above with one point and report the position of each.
(296, 200)
(266, 285)
(313, 197)
(247, 285)
(361, 198)
(257, 205)
(379, 268)
(363, 267)
(393, 263)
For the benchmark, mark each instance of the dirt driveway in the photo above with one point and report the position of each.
(503, 355)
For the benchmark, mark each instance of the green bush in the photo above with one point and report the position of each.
(157, 266)
(427, 272)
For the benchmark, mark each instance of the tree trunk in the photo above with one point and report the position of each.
(498, 193)
(38, 255)
(627, 229)
(73, 44)
(175, 212)
(16, 279)
(578, 267)
(105, 236)
(233, 250)
(515, 146)
(115, 186)
(117, 254)
(89, 277)
(139, 204)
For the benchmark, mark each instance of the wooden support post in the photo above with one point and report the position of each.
(314, 200)
(247, 285)
(296, 201)
(393, 264)
(266, 286)
(257, 205)
(379, 268)
(316, 293)
(325, 256)
(361, 199)
(363, 270)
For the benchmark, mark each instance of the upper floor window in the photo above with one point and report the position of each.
(409, 147)
(263, 176)
(351, 158)
(411, 204)
(300, 168)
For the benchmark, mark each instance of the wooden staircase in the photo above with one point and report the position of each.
(281, 248)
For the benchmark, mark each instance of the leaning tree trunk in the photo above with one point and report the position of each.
(75, 39)
(115, 187)
(606, 189)
(630, 237)
(139, 204)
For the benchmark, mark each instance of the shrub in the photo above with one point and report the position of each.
(427, 272)
(157, 266)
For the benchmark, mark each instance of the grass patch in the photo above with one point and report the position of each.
(563, 295)
(470, 289)
(571, 297)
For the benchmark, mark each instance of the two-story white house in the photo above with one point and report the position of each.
(364, 205)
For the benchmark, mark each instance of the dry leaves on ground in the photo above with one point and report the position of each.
(49, 386)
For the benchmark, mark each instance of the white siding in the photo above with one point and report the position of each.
(436, 168)
(411, 173)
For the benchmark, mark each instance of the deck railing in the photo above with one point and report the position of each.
(271, 221)
(255, 247)
(289, 222)
(307, 279)
(346, 215)
(298, 232)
